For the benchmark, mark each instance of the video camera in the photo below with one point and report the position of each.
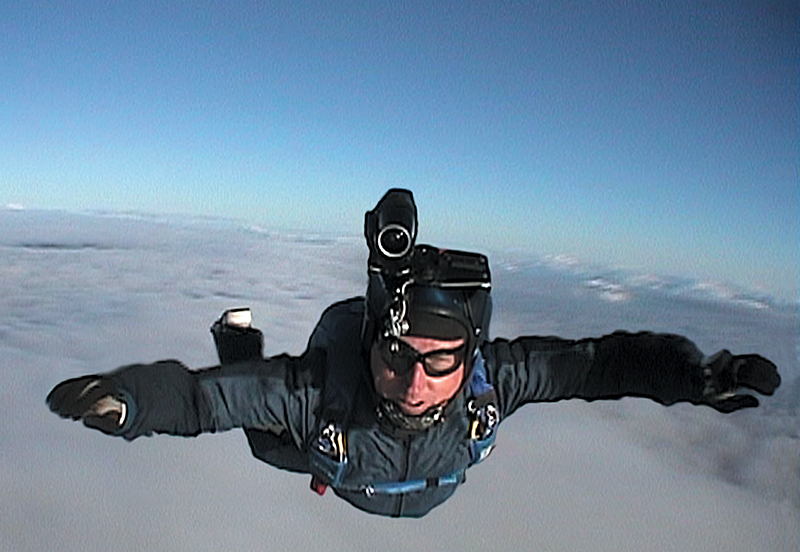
(396, 262)
(391, 230)
(391, 233)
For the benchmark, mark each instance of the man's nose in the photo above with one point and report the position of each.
(416, 377)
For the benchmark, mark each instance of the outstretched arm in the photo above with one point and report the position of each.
(166, 397)
(663, 367)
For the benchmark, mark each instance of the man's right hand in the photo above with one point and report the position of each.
(92, 399)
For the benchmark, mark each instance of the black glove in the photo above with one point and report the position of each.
(92, 399)
(237, 341)
(726, 375)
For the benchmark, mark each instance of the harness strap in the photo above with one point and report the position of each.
(403, 487)
(483, 414)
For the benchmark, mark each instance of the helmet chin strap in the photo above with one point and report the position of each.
(393, 414)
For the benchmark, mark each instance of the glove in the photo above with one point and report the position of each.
(235, 338)
(92, 399)
(725, 375)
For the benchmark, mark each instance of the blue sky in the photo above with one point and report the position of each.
(658, 137)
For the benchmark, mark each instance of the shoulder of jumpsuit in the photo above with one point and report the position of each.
(503, 355)
(508, 370)
(338, 321)
(491, 360)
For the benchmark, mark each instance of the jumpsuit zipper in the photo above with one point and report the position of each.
(407, 443)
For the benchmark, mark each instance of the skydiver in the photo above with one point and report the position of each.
(399, 391)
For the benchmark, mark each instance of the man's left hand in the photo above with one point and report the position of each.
(727, 375)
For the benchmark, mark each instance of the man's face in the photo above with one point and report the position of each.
(416, 391)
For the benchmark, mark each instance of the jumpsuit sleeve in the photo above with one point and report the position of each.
(663, 367)
(168, 398)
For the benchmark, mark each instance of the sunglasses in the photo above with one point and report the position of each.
(401, 358)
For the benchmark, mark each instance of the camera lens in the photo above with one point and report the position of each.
(394, 241)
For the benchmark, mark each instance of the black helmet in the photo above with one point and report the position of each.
(421, 290)
(442, 294)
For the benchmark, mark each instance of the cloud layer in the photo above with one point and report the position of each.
(84, 294)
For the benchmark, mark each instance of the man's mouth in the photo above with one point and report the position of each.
(410, 407)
